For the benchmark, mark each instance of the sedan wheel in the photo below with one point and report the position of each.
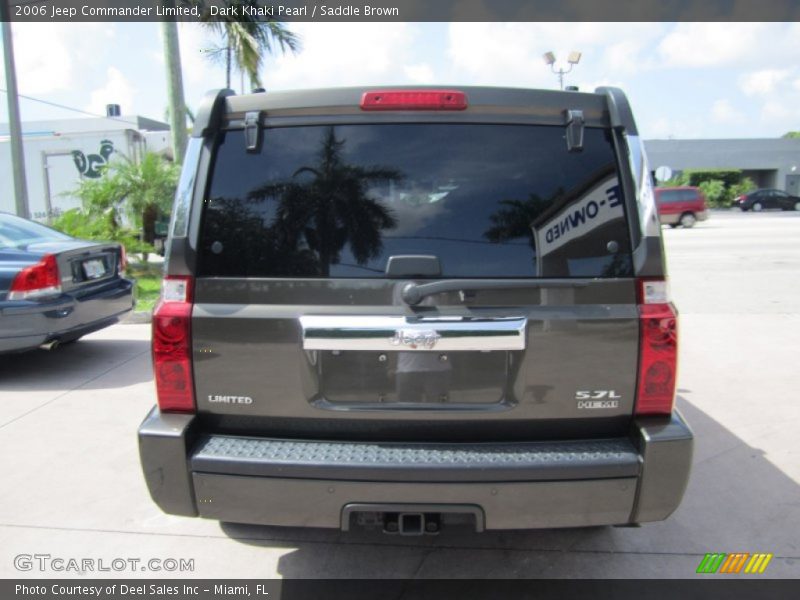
(688, 220)
(797, 205)
(758, 207)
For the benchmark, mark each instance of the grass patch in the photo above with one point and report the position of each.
(148, 284)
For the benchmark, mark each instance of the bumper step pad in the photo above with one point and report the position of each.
(392, 461)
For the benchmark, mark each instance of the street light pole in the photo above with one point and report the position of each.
(14, 128)
(550, 59)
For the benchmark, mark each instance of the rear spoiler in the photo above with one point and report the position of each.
(210, 115)
(619, 110)
(211, 112)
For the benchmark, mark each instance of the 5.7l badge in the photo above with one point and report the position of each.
(594, 399)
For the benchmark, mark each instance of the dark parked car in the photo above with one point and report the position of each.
(402, 307)
(682, 206)
(55, 288)
(758, 200)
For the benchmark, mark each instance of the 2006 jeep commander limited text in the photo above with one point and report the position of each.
(409, 306)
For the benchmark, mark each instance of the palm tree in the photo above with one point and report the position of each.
(146, 188)
(246, 39)
(177, 116)
(331, 208)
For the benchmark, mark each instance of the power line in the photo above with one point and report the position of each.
(70, 108)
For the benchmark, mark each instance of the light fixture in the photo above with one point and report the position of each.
(573, 59)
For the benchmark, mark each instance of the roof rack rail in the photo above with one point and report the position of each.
(619, 110)
(209, 115)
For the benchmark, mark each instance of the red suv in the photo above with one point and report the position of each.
(681, 206)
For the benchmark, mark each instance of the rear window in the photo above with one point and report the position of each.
(677, 195)
(16, 232)
(487, 200)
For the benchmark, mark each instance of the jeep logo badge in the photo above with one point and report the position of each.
(414, 339)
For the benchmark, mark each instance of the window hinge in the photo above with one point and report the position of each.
(252, 130)
(574, 121)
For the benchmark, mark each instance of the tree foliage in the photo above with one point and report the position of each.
(245, 39)
(124, 203)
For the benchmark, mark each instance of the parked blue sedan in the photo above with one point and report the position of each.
(55, 288)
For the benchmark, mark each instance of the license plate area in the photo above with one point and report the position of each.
(425, 380)
(94, 268)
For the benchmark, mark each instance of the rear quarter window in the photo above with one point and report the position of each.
(487, 200)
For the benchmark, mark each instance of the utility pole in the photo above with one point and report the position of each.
(14, 128)
(177, 105)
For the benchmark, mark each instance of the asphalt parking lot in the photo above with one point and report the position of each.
(72, 487)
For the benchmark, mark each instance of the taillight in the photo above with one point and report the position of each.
(658, 349)
(414, 100)
(37, 281)
(172, 345)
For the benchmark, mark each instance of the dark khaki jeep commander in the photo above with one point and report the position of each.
(412, 306)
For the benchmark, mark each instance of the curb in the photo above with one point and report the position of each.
(137, 318)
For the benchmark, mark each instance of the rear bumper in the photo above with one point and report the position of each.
(513, 486)
(26, 325)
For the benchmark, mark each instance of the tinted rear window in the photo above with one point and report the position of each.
(677, 195)
(487, 200)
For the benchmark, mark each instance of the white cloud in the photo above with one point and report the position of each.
(708, 44)
(421, 73)
(511, 53)
(786, 112)
(50, 57)
(669, 127)
(778, 94)
(659, 128)
(699, 45)
(345, 54)
(763, 82)
(625, 57)
(195, 42)
(117, 90)
(723, 112)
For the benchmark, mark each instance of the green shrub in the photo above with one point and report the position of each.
(744, 186)
(101, 226)
(728, 177)
(714, 191)
(136, 193)
(719, 186)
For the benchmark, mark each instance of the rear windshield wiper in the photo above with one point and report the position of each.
(413, 293)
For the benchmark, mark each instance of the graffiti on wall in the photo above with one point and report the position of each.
(91, 165)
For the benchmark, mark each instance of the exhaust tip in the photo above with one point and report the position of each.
(51, 345)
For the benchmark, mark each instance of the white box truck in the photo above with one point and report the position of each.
(58, 155)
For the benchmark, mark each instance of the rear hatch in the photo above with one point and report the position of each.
(387, 279)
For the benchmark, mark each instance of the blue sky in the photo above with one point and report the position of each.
(685, 80)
